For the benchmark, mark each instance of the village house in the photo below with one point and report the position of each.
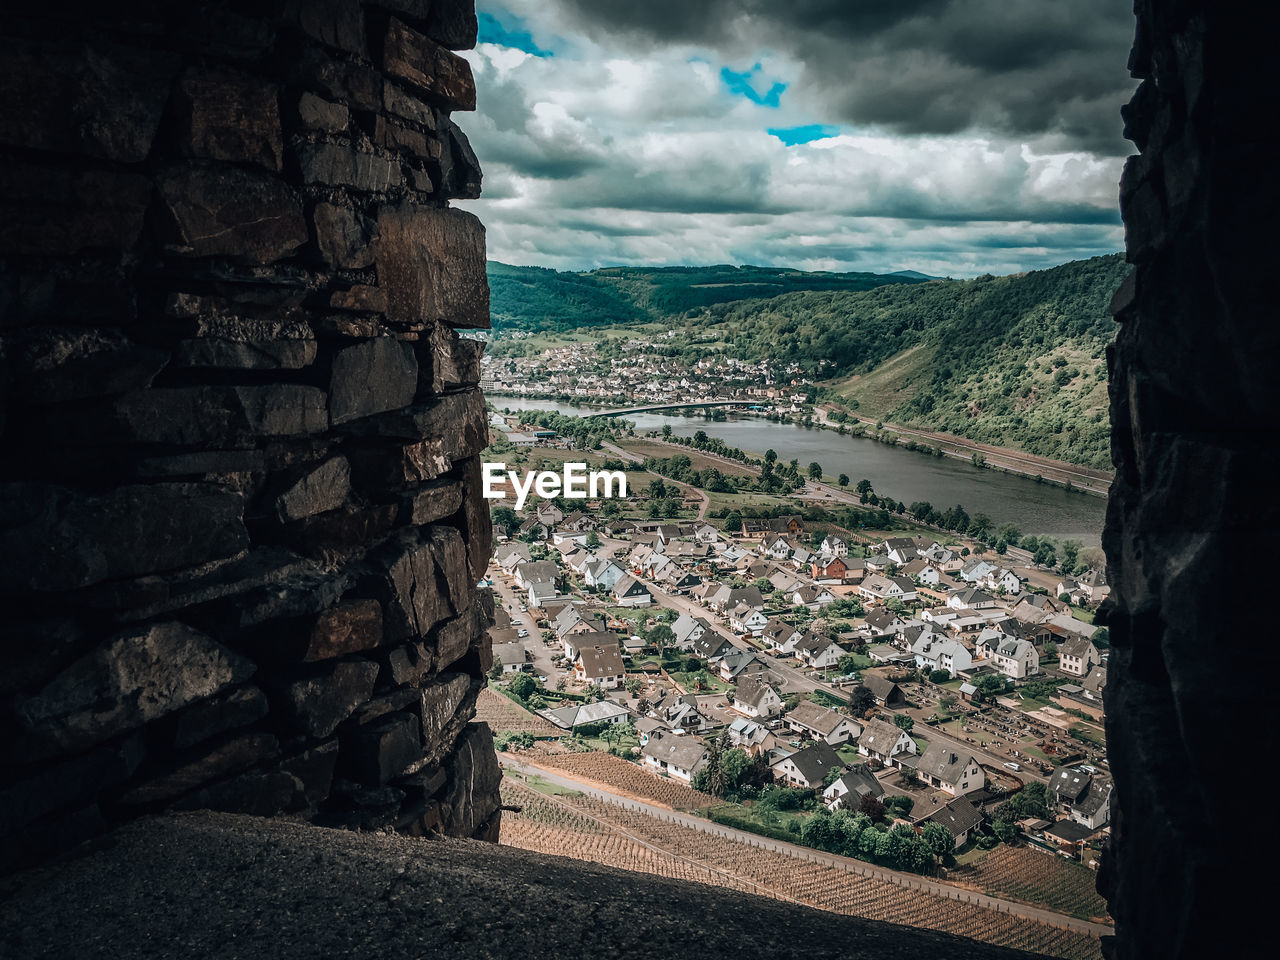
(923, 572)
(849, 789)
(600, 664)
(901, 550)
(811, 597)
(827, 568)
(971, 598)
(884, 741)
(602, 573)
(787, 526)
(536, 571)
(754, 738)
(735, 664)
(747, 619)
(835, 545)
(587, 714)
(959, 816)
(684, 714)
(511, 656)
(1084, 797)
(630, 592)
(679, 757)
(879, 587)
(822, 723)
(754, 697)
(933, 652)
(575, 640)
(711, 646)
(808, 767)
(953, 772)
(1015, 658)
(1078, 656)
(686, 629)
(814, 650)
(886, 692)
(779, 635)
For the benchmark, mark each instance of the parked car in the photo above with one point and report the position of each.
(522, 634)
(1013, 766)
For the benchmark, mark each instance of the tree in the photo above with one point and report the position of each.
(815, 470)
(1050, 648)
(660, 635)
(939, 676)
(903, 722)
(495, 672)
(770, 456)
(895, 606)
(656, 489)
(522, 686)
(937, 839)
(666, 431)
(989, 687)
(594, 694)
(593, 540)
(506, 518)
(863, 487)
(843, 480)
(872, 807)
(733, 521)
(861, 699)
(1102, 638)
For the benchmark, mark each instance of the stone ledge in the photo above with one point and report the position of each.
(221, 886)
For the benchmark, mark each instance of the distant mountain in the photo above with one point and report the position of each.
(912, 275)
(537, 298)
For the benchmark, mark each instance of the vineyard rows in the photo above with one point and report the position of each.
(623, 775)
(548, 827)
(502, 714)
(1017, 873)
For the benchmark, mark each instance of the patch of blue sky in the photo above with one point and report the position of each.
(515, 36)
(742, 84)
(805, 133)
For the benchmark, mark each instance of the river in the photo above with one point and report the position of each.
(896, 472)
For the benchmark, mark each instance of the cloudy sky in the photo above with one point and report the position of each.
(955, 137)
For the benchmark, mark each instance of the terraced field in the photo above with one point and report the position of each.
(591, 829)
(502, 713)
(1039, 879)
(627, 777)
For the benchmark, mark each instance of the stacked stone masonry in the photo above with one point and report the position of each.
(240, 513)
(1193, 411)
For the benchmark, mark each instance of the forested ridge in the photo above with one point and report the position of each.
(1014, 361)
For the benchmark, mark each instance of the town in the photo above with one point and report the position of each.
(810, 682)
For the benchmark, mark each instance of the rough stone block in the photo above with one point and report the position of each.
(226, 335)
(372, 377)
(316, 113)
(440, 703)
(409, 663)
(136, 677)
(407, 105)
(414, 599)
(55, 539)
(190, 416)
(350, 627)
(209, 718)
(449, 360)
(453, 638)
(101, 101)
(224, 115)
(231, 212)
(354, 84)
(361, 298)
(401, 139)
(431, 262)
(444, 77)
(471, 799)
(58, 364)
(478, 523)
(322, 488)
(342, 532)
(453, 23)
(221, 761)
(68, 783)
(319, 704)
(256, 793)
(312, 770)
(335, 23)
(377, 752)
(460, 174)
(435, 502)
(343, 236)
(340, 164)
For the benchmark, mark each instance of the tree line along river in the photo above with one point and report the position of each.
(894, 471)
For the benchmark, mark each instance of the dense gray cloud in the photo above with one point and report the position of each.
(850, 135)
(1023, 67)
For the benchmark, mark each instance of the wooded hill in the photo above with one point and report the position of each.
(1015, 361)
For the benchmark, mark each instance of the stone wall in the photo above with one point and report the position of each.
(1193, 510)
(240, 519)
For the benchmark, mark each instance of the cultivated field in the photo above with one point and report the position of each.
(625, 777)
(503, 714)
(1043, 880)
(580, 826)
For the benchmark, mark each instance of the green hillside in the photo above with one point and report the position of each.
(537, 299)
(1015, 361)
